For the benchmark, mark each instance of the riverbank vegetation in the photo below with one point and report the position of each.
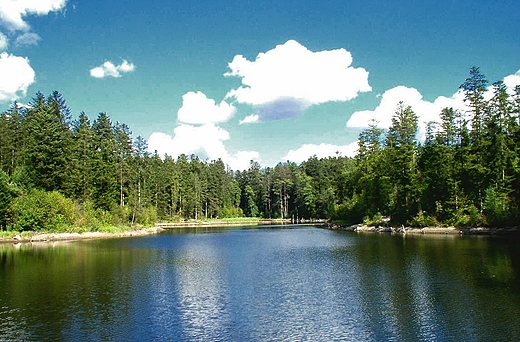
(59, 173)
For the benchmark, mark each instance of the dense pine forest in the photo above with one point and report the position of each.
(60, 173)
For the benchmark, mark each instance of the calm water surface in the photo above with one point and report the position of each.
(262, 284)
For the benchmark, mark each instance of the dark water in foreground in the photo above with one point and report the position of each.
(263, 284)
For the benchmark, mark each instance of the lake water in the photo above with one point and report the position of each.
(296, 283)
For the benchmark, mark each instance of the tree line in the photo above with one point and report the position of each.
(466, 173)
(58, 173)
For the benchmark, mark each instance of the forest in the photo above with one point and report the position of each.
(59, 173)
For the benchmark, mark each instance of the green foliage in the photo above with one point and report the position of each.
(423, 220)
(231, 212)
(147, 216)
(91, 218)
(41, 211)
(83, 175)
(350, 211)
(400, 154)
(467, 217)
(378, 220)
(497, 206)
(8, 191)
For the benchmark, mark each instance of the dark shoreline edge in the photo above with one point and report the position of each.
(361, 228)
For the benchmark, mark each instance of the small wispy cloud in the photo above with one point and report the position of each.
(27, 39)
(110, 69)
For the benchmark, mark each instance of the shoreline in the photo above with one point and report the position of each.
(361, 228)
(53, 237)
(173, 225)
(33, 236)
(30, 237)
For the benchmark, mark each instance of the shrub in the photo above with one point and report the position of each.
(146, 216)
(497, 206)
(230, 212)
(41, 210)
(91, 218)
(351, 211)
(467, 216)
(422, 220)
(375, 221)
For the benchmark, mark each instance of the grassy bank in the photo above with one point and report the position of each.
(107, 232)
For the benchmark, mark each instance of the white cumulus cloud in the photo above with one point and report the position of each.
(512, 81)
(17, 76)
(321, 151)
(205, 141)
(253, 118)
(198, 109)
(110, 69)
(12, 12)
(425, 110)
(284, 81)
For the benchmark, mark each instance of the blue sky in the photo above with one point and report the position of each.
(262, 80)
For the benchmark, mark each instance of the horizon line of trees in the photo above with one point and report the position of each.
(57, 173)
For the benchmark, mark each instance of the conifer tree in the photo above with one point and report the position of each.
(400, 154)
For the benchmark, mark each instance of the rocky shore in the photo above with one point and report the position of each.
(50, 237)
(360, 228)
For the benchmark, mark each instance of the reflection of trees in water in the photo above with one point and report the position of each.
(65, 290)
(279, 283)
(432, 287)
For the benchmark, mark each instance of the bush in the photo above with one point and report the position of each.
(375, 221)
(497, 206)
(146, 216)
(41, 210)
(230, 212)
(467, 216)
(421, 220)
(351, 211)
(90, 218)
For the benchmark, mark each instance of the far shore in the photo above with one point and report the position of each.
(34, 236)
(361, 228)
(28, 237)
(242, 222)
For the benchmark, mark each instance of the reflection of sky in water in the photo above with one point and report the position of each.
(425, 314)
(262, 284)
(298, 288)
(202, 292)
(377, 305)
